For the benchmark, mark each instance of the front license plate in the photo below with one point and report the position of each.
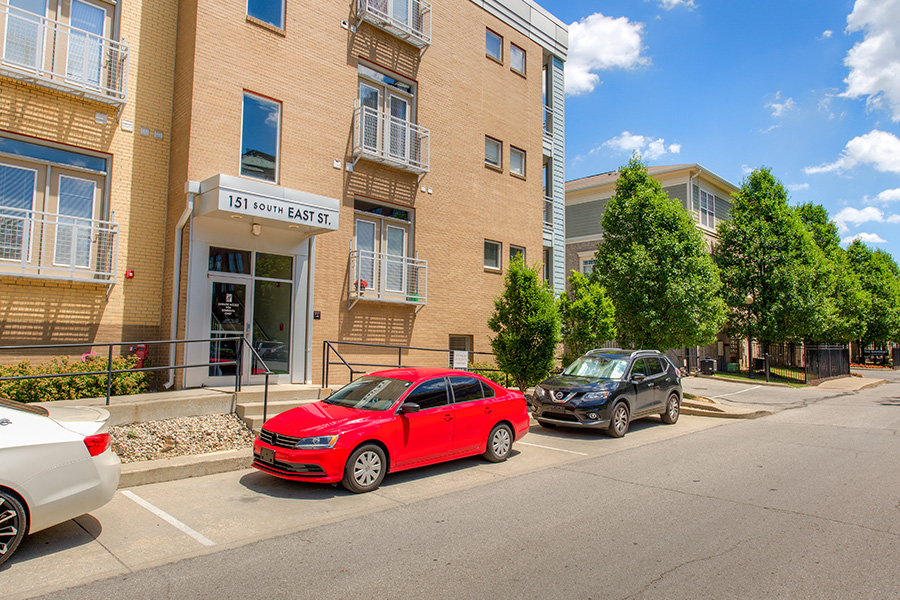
(267, 455)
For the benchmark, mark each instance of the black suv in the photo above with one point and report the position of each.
(607, 389)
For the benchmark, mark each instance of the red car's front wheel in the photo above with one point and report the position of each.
(365, 469)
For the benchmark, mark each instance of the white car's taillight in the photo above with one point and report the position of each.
(97, 444)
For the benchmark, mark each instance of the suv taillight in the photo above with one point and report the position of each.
(97, 444)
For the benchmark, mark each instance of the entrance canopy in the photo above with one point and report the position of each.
(257, 203)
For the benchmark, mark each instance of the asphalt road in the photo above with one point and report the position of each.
(800, 504)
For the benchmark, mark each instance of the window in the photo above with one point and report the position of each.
(493, 45)
(491, 255)
(52, 209)
(267, 11)
(261, 125)
(493, 150)
(516, 161)
(515, 251)
(382, 244)
(548, 265)
(388, 104)
(587, 265)
(431, 394)
(517, 58)
(466, 389)
(704, 208)
(459, 343)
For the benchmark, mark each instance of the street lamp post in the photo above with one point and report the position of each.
(748, 300)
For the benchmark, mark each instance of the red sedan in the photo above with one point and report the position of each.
(392, 421)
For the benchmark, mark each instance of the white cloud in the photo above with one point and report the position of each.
(647, 147)
(827, 34)
(778, 107)
(885, 197)
(798, 187)
(855, 216)
(670, 4)
(874, 63)
(879, 148)
(867, 238)
(601, 43)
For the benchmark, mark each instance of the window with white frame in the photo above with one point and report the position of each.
(704, 208)
(459, 343)
(586, 263)
(548, 266)
(52, 202)
(260, 133)
(493, 45)
(516, 161)
(492, 255)
(493, 152)
(388, 104)
(267, 11)
(383, 241)
(517, 59)
(515, 251)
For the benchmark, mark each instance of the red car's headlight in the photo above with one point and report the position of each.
(97, 444)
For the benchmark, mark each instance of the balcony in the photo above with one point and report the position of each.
(548, 212)
(389, 140)
(548, 131)
(54, 55)
(52, 246)
(409, 20)
(383, 277)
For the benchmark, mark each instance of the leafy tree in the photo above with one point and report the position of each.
(766, 254)
(656, 267)
(526, 321)
(880, 278)
(846, 303)
(588, 317)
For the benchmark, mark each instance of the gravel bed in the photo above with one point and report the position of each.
(180, 437)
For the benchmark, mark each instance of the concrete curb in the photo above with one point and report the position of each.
(721, 411)
(182, 467)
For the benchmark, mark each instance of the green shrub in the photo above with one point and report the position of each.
(75, 386)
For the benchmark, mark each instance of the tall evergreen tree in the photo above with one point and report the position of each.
(588, 317)
(766, 254)
(656, 267)
(526, 321)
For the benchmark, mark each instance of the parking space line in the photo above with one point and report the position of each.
(551, 448)
(737, 392)
(169, 519)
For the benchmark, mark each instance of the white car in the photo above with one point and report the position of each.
(55, 464)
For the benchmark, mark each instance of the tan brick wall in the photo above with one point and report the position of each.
(311, 68)
(36, 311)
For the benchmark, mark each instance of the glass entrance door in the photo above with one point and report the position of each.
(228, 310)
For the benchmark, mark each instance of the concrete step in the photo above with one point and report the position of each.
(282, 391)
(275, 407)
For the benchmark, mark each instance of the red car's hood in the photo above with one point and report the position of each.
(319, 418)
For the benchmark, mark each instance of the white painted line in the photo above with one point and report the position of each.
(551, 448)
(736, 393)
(169, 519)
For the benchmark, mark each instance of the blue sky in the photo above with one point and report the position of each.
(808, 88)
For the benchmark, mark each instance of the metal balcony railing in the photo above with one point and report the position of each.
(409, 20)
(387, 278)
(55, 55)
(548, 124)
(52, 246)
(548, 211)
(382, 138)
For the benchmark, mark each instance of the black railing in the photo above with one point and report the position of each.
(237, 362)
(328, 348)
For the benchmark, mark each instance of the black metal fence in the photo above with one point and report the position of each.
(802, 363)
(825, 361)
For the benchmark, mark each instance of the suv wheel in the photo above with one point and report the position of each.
(618, 424)
(673, 408)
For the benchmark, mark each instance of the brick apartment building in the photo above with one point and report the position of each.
(291, 171)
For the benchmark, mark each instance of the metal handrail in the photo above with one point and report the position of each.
(548, 211)
(63, 57)
(411, 23)
(382, 137)
(109, 371)
(372, 275)
(328, 346)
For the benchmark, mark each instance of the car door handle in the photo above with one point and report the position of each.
(487, 410)
(448, 417)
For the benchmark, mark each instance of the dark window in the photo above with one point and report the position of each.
(226, 260)
(655, 366)
(466, 388)
(487, 390)
(430, 394)
(640, 367)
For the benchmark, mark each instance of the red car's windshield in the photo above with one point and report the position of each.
(369, 393)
